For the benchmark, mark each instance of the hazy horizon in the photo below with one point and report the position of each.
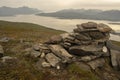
(54, 5)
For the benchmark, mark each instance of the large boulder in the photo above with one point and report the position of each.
(52, 59)
(115, 59)
(1, 51)
(84, 50)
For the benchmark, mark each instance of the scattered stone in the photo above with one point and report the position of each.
(42, 55)
(52, 59)
(98, 63)
(45, 64)
(8, 59)
(4, 39)
(35, 54)
(36, 47)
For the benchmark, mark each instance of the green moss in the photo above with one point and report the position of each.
(79, 74)
(116, 42)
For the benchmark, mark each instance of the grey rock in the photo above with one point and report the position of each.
(84, 50)
(77, 30)
(1, 51)
(45, 64)
(4, 39)
(89, 25)
(103, 28)
(115, 59)
(34, 53)
(88, 58)
(82, 37)
(97, 63)
(42, 55)
(8, 59)
(96, 35)
(36, 47)
(52, 59)
(60, 51)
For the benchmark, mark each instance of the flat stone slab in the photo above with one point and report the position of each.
(60, 51)
(84, 50)
(52, 59)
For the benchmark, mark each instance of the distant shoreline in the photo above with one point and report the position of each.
(115, 23)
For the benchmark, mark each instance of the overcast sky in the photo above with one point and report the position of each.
(53, 5)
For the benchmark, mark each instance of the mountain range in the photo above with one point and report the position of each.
(8, 11)
(95, 14)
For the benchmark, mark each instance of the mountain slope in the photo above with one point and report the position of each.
(112, 15)
(8, 11)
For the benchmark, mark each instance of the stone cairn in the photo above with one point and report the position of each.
(87, 43)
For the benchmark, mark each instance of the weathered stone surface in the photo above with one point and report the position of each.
(34, 53)
(84, 50)
(82, 37)
(115, 59)
(60, 51)
(4, 39)
(88, 58)
(1, 51)
(98, 63)
(8, 58)
(103, 28)
(89, 25)
(36, 47)
(96, 35)
(45, 64)
(42, 55)
(52, 59)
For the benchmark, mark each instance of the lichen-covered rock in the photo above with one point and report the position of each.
(52, 59)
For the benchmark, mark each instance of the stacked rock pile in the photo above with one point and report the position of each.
(87, 43)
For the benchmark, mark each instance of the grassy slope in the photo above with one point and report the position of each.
(27, 31)
(24, 69)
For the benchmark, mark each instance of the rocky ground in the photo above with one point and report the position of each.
(84, 54)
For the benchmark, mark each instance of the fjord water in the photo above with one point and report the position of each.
(59, 24)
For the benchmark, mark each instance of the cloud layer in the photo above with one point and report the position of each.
(53, 5)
